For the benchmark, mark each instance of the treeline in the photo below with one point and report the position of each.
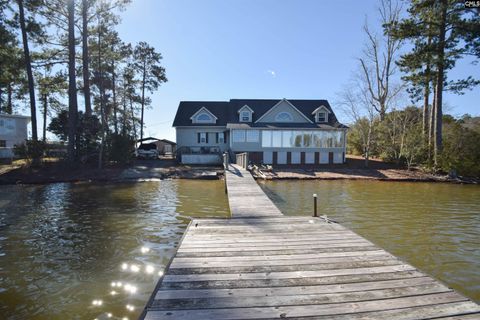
(65, 58)
(438, 33)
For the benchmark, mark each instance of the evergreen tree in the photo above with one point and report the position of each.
(151, 73)
(442, 31)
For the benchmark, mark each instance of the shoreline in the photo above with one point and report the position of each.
(156, 170)
(387, 175)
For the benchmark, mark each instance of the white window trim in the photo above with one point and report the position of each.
(245, 108)
(285, 121)
(222, 136)
(317, 116)
(324, 109)
(201, 111)
(203, 136)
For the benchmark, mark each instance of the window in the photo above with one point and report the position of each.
(204, 117)
(307, 139)
(287, 139)
(284, 117)
(202, 137)
(238, 135)
(3, 143)
(276, 138)
(253, 135)
(245, 116)
(220, 137)
(303, 139)
(266, 139)
(322, 116)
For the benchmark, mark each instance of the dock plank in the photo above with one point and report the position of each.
(262, 265)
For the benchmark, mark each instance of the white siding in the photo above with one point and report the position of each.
(337, 157)
(310, 157)
(323, 157)
(282, 157)
(296, 158)
(267, 157)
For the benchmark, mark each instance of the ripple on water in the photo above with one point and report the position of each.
(62, 245)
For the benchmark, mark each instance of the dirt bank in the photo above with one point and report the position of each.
(141, 170)
(354, 169)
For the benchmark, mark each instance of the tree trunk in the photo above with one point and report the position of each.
(9, 108)
(114, 97)
(45, 107)
(431, 126)
(102, 97)
(85, 59)
(72, 90)
(28, 65)
(124, 118)
(440, 78)
(143, 98)
(426, 98)
(133, 121)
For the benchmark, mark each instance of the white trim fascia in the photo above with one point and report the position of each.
(278, 103)
(245, 107)
(203, 109)
(319, 108)
(195, 125)
(16, 116)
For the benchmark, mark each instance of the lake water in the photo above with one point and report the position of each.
(63, 246)
(433, 226)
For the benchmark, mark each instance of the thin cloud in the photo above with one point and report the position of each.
(272, 73)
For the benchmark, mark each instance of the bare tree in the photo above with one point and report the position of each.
(358, 106)
(378, 59)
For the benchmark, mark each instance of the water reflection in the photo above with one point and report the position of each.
(435, 227)
(63, 246)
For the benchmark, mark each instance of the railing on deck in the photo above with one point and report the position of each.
(242, 160)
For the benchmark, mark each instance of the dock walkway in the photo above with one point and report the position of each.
(275, 267)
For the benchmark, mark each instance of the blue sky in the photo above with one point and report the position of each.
(223, 49)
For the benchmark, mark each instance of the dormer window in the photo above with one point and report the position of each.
(245, 114)
(322, 117)
(321, 114)
(203, 116)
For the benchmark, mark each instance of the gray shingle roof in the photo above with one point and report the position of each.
(227, 112)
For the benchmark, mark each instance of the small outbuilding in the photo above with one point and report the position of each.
(13, 131)
(166, 147)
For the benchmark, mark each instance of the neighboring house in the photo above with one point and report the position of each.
(166, 147)
(13, 131)
(279, 132)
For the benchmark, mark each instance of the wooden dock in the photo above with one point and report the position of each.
(272, 267)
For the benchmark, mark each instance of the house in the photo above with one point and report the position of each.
(13, 131)
(278, 132)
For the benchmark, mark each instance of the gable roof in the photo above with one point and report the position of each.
(203, 110)
(290, 104)
(227, 112)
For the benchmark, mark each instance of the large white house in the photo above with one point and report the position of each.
(278, 132)
(13, 131)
